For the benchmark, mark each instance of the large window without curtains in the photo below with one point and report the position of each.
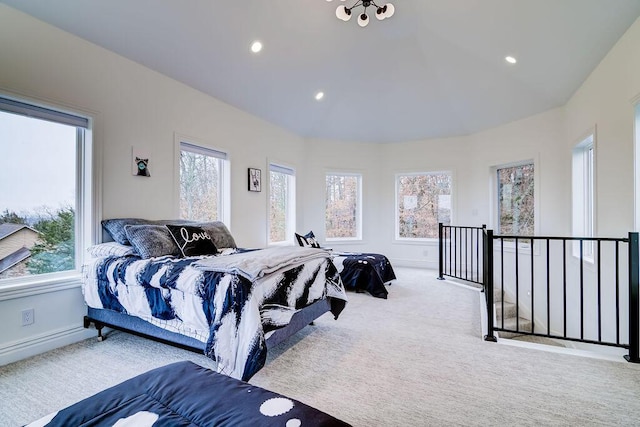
(282, 203)
(343, 213)
(202, 183)
(516, 206)
(45, 191)
(422, 201)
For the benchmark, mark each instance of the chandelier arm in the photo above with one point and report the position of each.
(358, 3)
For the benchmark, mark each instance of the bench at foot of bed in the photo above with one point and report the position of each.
(184, 393)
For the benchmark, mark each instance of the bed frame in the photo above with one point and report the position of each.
(135, 325)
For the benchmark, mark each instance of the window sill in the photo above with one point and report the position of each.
(25, 287)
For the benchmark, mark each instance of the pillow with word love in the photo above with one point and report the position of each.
(192, 240)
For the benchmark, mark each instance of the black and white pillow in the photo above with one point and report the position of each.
(192, 240)
(308, 240)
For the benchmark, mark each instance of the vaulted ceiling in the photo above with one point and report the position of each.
(435, 69)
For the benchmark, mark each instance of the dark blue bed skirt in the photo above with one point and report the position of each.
(141, 327)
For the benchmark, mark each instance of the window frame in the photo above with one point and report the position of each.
(583, 197)
(358, 218)
(87, 194)
(290, 214)
(197, 146)
(495, 199)
(419, 240)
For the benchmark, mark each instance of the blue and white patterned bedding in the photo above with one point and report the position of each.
(229, 311)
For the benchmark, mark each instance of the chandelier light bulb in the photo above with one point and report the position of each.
(343, 13)
(380, 13)
(390, 10)
(363, 20)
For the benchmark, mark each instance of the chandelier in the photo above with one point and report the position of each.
(382, 12)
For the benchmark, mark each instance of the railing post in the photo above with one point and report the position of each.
(487, 280)
(440, 252)
(634, 300)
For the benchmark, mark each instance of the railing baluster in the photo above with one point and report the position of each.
(548, 289)
(471, 250)
(599, 293)
(455, 251)
(502, 279)
(440, 251)
(564, 284)
(581, 291)
(533, 316)
(617, 266)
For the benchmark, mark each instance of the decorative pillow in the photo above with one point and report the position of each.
(219, 232)
(115, 228)
(308, 240)
(151, 240)
(192, 241)
(110, 249)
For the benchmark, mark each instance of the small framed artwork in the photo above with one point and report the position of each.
(140, 162)
(255, 179)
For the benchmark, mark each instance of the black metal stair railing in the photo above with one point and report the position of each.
(460, 252)
(571, 288)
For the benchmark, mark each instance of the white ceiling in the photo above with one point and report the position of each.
(435, 69)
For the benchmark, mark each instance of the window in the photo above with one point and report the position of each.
(583, 194)
(516, 199)
(343, 206)
(202, 183)
(45, 183)
(422, 201)
(282, 203)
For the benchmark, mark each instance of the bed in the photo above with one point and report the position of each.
(184, 393)
(187, 284)
(360, 272)
(364, 272)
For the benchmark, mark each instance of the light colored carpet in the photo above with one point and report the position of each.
(416, 359)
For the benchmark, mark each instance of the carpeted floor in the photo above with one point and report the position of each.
(416, 359)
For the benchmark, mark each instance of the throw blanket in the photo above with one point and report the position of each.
(253, 265)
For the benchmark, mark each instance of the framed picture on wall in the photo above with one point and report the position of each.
(255, 179)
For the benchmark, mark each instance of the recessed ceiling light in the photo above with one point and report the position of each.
(256, 46)
(510, 59)
(319, 96)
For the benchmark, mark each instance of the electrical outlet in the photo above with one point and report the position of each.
(28, 316)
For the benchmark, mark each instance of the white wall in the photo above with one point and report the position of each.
(134, 106)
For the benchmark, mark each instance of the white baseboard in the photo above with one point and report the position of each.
(31, 346)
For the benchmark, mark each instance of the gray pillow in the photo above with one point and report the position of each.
(219, 233)
(115, 228)
(151, 240)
